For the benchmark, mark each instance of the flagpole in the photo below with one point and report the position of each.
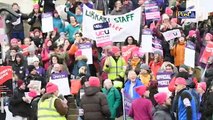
(124, 112)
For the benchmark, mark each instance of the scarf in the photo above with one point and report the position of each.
(134, 62)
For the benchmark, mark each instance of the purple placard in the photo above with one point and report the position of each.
(163, 79)
(190, 45)
(85, 46)
(59, 75)
(127, 103)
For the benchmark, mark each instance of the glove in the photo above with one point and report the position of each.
(7, 21)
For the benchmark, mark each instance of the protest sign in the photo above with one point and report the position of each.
(156, 45)
(189, 57)
(207, 5)
(6, 74)
(47, 22)
(86, 50)
(127, 51)
(102, 34)
(146, 43)
(152, 11)
(127, 102)
(207, 53)
(121, 26)
(163, 79)
(187, 14)
(171, 34)
(61, 80)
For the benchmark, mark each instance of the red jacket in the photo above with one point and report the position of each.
(155, 67)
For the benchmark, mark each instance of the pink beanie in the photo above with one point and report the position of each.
(36, 6)
(208, 36)
(115, 49)
(51, 88)
(169, 11)
(32, 93)
(14, 40)
(78, 53)
(191, 33)
(202, 85)
(141, 90)
(160, 98)
(180, 81)
(94, 82)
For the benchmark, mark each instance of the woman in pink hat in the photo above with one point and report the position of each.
(141, 108)
(34, 19)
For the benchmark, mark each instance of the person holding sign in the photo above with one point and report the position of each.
(50, 107)
(141, 108)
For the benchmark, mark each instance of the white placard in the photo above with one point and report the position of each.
(171, 34)
(189, 57)
(47, 22)
(146, 43)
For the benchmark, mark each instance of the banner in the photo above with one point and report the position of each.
(187, 14)
(189, 57)
(47, 22)
(163, 79)
(127, 51)
(152, 11)
(6, 74)
(127, 102)
(207, 53)
(171, 34)
(121, 26)
(102, 34)
(86, 50)
(61, 80)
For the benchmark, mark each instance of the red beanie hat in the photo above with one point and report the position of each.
(160, 98)
(141, 90)
(168, 11)
(51, 88)
(180, 81)
(32, 93)
(115, 49)
(94, 82)
(202, 85)
(19, 83)
(191, 33)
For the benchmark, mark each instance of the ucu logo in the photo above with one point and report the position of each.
(102, 33)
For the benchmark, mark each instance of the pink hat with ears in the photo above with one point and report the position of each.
(115, 49)
(36, 6)
(168, 11)
(202, 85)
(191, 33)
(160, 98)
(141, 90)
(208, 36)
(78, 53)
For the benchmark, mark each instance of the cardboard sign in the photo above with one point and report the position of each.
(187, 14)
(87, 51)
(152, 11)
(146, 43)
(171, 34)
(102, 34)
(189, 57)
(61, 80)
(127, 51)
(47, 22)
(207, 53)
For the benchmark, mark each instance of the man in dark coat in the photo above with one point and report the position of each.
(94, 103)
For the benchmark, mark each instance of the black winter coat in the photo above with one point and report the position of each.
(94, 103)
(17, 106)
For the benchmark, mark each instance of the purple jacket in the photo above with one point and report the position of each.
(141, 109)
(41, 71)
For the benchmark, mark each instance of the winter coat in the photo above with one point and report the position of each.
(130, 67)
(114, 100)
(207, 106)
(118, 12)
(41, 71)
(127, 88)
(58, 23)
(155, 67)
(48, 5)
(20, 70)
(34, 21)
(101, 5)
(71, 30)
(162, 113)
(141, 109)
(36, 77)
(94, 103)
(178, 52)
(20, 26)
(19, 107)
(79, 18)
(45, 57)
(79, 62)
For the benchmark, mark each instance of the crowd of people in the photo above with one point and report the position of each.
(38, 55)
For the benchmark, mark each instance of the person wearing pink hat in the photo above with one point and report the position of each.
(201, 89)
(93, 102)
(34, 19)
(184, 102)
(169, 11)
(162, 110)
(115, 66)
(141, 108)
(134, 63)
(50, 106)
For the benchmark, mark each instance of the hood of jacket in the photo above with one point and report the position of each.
(90, 91)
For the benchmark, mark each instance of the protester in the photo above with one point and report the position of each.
(134, 63)
(58, 22)
(156, 63)
(118, 9)
(94, 103)
(113, 98)
(20, 66)
(34, 19)
(162, 110)
(145, 74)
(201, 89)
(51, 107)
(141, 108)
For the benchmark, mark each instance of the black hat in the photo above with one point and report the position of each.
(31, 68)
